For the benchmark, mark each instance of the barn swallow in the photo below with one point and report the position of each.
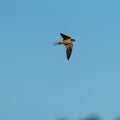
(68, 42)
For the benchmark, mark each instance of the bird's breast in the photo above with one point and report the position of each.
(67, 41)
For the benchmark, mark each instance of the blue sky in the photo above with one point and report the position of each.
(37, 82)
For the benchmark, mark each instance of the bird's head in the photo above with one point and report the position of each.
(73, 40)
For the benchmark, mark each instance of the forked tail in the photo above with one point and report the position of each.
(57, 43)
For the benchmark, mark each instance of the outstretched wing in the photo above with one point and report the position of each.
(69, 50)
(65, 36)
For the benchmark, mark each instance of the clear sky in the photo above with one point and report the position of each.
(36, 80)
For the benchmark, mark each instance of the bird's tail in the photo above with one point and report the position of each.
(57, 43)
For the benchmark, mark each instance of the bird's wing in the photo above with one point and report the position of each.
(69, 50)
(65, 36)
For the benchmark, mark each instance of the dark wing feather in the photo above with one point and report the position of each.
(65, 36)
(69, 50)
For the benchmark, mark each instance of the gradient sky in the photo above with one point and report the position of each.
(36, 80)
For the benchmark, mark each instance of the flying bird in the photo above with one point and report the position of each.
(68, 42)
